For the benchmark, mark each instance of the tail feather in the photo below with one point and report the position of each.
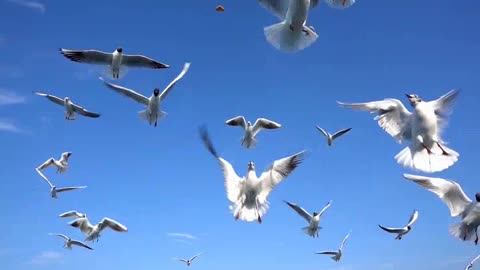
(416, 157)
(248, 214)
(284, 39)
(144, 115)
(313, 232)
(462, 231)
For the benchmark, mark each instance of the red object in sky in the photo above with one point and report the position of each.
(220, 8)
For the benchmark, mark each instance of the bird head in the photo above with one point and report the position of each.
(156, 92)
(66, 154)
(66, 98)
(119, 50)
(251, 166)
(315, 213)
(477, 197)
(249, 123)
(409, 227)
(414, 99)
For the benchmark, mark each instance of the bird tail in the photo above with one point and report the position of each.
(284, 39)
(416, 157)
(144, 115)
(248, 214)
(462, 231)
(313, 232)
(248, 143)
(107, 72)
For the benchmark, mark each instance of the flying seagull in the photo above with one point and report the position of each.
(336, 255)
(61, 164)
(188, 262)
(340, 4)
(73, 214)
(291, 34)
(153, 113)
(331, 137)
(249, 194)
(426, 152)
(92, 232)
(459, 204)
(402, 231)
(470, 265)
(70, 107)
(313, 220)
(251, 131)
(116, 62)
(54, 190)
(69, 242)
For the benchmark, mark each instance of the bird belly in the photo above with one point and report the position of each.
(425, 126)
(297, 14)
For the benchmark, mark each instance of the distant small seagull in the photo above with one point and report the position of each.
(54, 190)
(340, 4)
(92, 232)
(188, 262)
(69, 242)
(153, 113)
(402, 231)
(220, 8)
(61, 164)
(459, 204)
(250, 130)
(427, 151)
(470, 265)
(73, 214)
(331, 137)
(117, 62)
(337, 255)
(249, 194)
(70, 107)
(291, 34)
(313, 220)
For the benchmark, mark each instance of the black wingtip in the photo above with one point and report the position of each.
(206, 140)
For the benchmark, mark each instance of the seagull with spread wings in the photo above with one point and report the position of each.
(61, 164)
(69, 242)
(402, 231)
(251, 131)
(92, 232)
(72, 214)
(331, 137)
(70, 107)
(249, 194)
(336, 255)
(312, 219)
(427, 152)
(189, 261)
(54, 190)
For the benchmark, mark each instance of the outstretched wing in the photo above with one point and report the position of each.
(127, 92)
(82, 111)
(142, 61)
(71, 214)
(60, 235)
(344, 241)
(277, 7)
(392, 116)
(327, 253)
(69, 188)
(112, 224)
(172, 84)
(302, 212)
(263, 123)
(325, 208)
(340, 133)
(413, 218)
(88, 56)
(80, 244)
(391, 230)
(322, 131)
(474, 260)
(52, 98)
(237, 121)
(443, 106)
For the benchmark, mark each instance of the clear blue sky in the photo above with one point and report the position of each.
(162, 180)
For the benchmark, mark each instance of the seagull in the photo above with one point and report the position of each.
(153, 113)
(470, 265)
(402, 231)
(70, 107)
(92, 232)
(69, 242)
(291, 34)
(250, 130)
(117, 62)
(61, 164)
(249, 194)
(337, 255)
(313, 220)
(331, 137)
(188, 262)
(54, 190)
(73, 214)
(426, 152)
(458, 203)
(340, 4)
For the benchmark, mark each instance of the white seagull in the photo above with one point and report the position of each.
(337, 255)
(251, 131)
(188, 262)
(116, 62)
(153, 112)
(92, 232)
(459, 204)
(69, 242)
(54, 190)
(313, 220)
(426, 152)
(402, 231)
(470, 265)
(331, 137)
(73, 214)
(291, 34)
(61, 164)
(70, 107)
(340, 4)
(249, 194)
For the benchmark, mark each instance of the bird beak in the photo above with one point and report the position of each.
(409, 96)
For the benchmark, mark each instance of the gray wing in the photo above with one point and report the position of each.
(69, 188)
(181, 260)
(83, 111)
(194, 257)
(344, 241)
(80, 244)
(127, 92)
(83, 224)
(391, 230)
(71, 214)
(263, 123)
(413, 218)
(278, 7)
(52, 98)
(60, 235)
(322, 131)
(172, 84)
(340, 133)
(237, 121)
(114, 225)
(302, 212)
(88, 56)
(327, 253)
(443, 106)
(141, 61)
(44, 177)
(325, 208)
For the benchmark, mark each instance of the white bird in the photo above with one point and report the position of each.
(458, 203)
(188, 262)
(340, 4)
(470, 265)
(313, 220)
(402, 231)
(92, 232)
(291, 34)
(249, 194)
(426, 152)
(153, 112)
(69, 242)
(251, 131)
(331, 137)
(70, 107)
(337, 255)
(54, 190)
(116, 62)
(73, 214)
(61, 164)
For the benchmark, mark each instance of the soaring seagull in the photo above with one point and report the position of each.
(70, 107)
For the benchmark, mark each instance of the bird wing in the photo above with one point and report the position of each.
(443, 106)
(392, 116)
(82, 111)
(302, 212)
(172, 84)
(44, 178)
(88, 56)
(278, 171)
(449, 192)
(476, 258)
(127, 92)
(81, 244)
(413, 218)
(193, 258)
(83, 224)
(263, 123)
(237, 121)
(344, 241)
(322, 131)
(60, 235)
(181, 260)
(114, 225)
(340, 133)
(69, 188)
(70, 214)
(391, 230)
(327, 253)
(277, 7)
(53, 98)
(325, 208)
(314, 3)
(142, 61)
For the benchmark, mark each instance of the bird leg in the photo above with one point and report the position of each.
(443, 150)
(344, 2)
(428, 150)
(291, 27)
(476, 235)
(259, 218)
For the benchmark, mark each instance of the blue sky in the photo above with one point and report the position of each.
(161, 182)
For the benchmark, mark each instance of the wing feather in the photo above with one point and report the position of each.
(127, 92)
(88, 56)
(142, 61)
(302, 212)
(172, 84)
